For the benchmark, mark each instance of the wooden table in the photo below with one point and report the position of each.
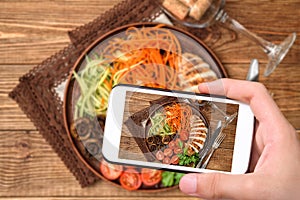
(31, 31)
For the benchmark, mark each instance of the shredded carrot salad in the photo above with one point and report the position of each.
(177, 116)
(148, 56)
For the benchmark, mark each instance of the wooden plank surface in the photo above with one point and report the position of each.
(32, 30)
(27, 27)
(96, 198)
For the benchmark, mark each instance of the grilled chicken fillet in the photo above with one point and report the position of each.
(197, 135)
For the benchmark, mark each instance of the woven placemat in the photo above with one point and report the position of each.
(37, 94)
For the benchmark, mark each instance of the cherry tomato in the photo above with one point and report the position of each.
(110, 171)
(177, 150)
(174, 160)
(159, 155)
(130, 179)
(151, 177)
(166, 160)
(168, 152)
(184, 135)
(172, 144)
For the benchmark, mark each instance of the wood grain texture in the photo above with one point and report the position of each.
(31, 31)
(98, 198)
(37, 31)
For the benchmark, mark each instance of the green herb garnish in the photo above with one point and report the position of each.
(171, 178)
(186, 160)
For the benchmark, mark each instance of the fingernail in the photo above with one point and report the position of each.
(188, 184)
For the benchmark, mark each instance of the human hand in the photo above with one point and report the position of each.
(274, 171)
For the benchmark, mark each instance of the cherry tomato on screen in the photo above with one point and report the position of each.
(172, 144)
(168, 152)
(166, 160)
(184, 135)
(159, 155)
(174, 160)
(177, 150)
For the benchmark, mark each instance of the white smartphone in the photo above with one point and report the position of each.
(175, 130)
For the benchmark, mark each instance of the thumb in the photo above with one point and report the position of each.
(217, 186)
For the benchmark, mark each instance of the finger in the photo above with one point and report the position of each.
(257, 148)
(218, 186)
(252, 93)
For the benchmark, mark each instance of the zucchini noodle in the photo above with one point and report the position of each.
(159, 125)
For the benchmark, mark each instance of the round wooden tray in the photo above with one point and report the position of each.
(189, 43)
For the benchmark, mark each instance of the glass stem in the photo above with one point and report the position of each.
(227, 21)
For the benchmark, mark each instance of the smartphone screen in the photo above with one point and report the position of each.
(178, 130)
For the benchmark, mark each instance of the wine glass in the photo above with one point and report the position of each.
(227, 118)
(203, 13)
